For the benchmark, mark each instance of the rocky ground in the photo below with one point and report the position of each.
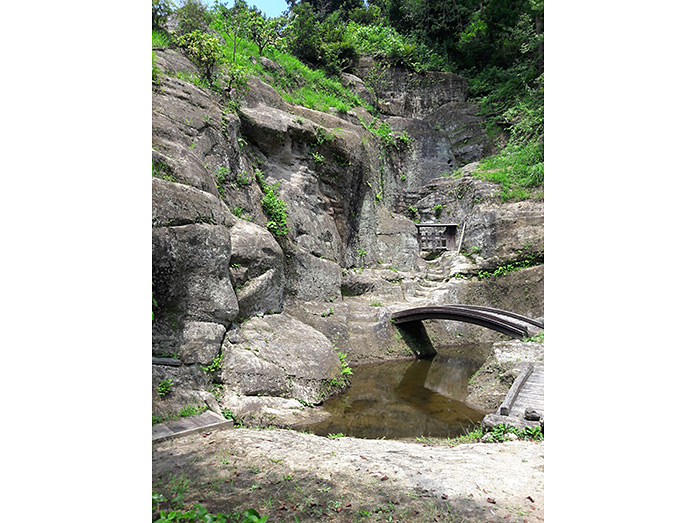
(293, 476)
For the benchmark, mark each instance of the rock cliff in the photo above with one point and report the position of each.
(255, 315)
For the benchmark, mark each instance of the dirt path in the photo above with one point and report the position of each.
(292, 476)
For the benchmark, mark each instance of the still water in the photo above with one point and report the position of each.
(407, 399)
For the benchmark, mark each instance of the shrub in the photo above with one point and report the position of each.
(204, 49)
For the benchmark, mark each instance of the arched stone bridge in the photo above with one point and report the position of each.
(505, 322)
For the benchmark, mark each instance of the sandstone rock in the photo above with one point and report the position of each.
(396, 241)
(269, 64)
(515, 350)
(311, 224)
(465, 130)
(504, 230)
(269, 127)
(357, 85)
(411, 94)
(531, 415)
(191, 282)
(361, 328)
(428, 157)
(311, 278)
(171, 61)
(177, 204)
(256, 269)
(186, 167)
(188, 386)
(271, 410)
(489, 386)
(521, 291)
(191, 134)
(355, 283)
(488, 438)
(261, 93)
(200, 342)
(279, 356)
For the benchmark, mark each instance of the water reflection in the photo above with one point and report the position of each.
(405, 399)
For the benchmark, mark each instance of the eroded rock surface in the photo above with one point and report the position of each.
(257, 269)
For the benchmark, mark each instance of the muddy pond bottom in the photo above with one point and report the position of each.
(406, 399)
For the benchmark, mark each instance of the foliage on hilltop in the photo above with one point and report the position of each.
(496, 44)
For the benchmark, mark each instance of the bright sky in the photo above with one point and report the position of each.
(270, 7)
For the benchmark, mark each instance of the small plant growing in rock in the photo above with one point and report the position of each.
(537, 338)
(228, 414)
(220, 176)
(472, 250)
(243, 179)
(438, 209)
(345, 369)
(215, 365)
(273, 206)
(164, 387)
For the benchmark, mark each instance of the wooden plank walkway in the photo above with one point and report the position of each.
(182, 427)
(532, 394)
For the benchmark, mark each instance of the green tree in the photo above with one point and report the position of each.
(204, 49)
(320, 43)
(303, 35)
(263, 30)
(233, 21)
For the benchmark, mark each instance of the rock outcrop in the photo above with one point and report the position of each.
(253, 317)
(278, 356)
(256, 269)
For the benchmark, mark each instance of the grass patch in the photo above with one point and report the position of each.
(296, 82)
(161, 39)
(528, 260)
(188, 411)
(518, 169)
